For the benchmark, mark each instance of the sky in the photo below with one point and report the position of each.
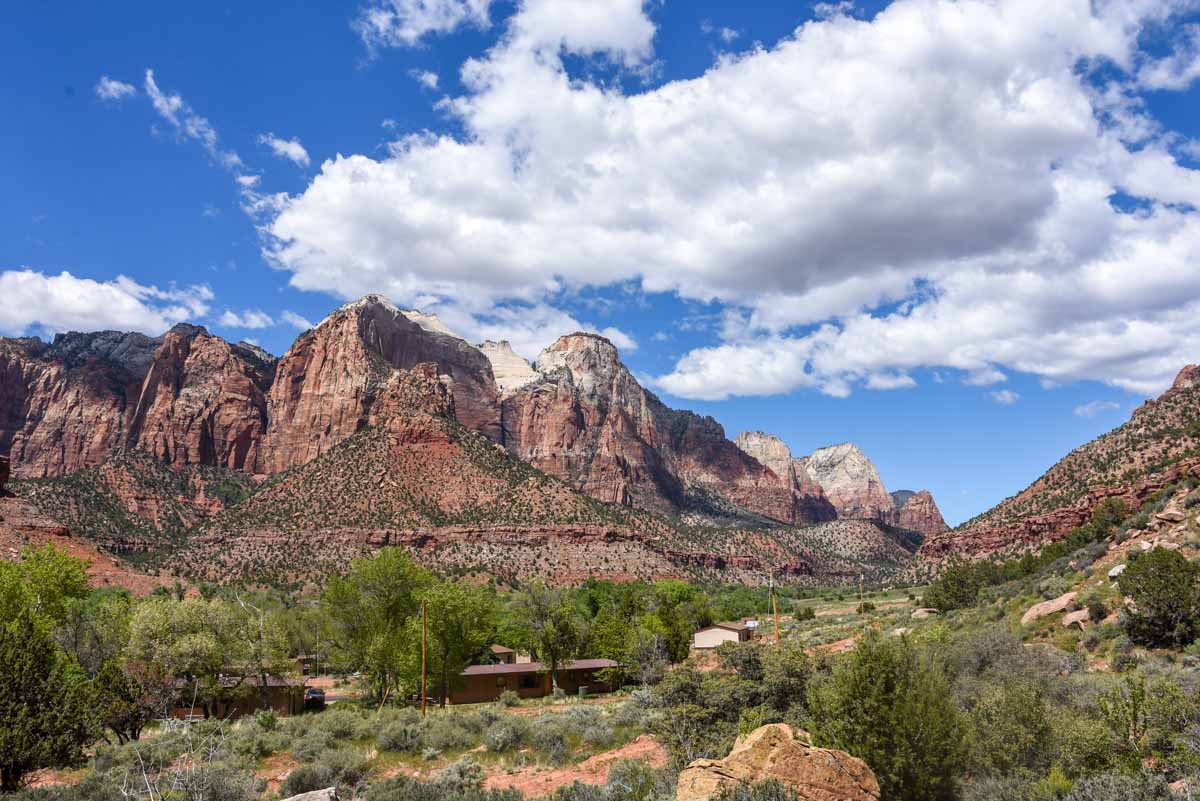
(960, 233)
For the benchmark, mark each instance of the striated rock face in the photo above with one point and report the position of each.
(327, 383)
(769, 450)
(203, 401)
(187, 396)
(850, 481)
(918, 512)
(587, 421)
(511, 371)
(776, 752)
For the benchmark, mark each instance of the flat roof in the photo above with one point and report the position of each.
(536, 667)
(727, 626)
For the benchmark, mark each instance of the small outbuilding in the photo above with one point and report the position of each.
(712, 636)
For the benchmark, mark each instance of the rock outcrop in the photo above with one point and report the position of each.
(918, 512)
(511, 371)
(850, 481)
(776, 752)
(327, 382)
(587, 421)
(187, 396)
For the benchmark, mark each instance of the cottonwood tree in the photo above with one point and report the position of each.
(548, 624)
(370, 612)
(460, 624)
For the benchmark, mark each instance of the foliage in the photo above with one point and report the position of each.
(46, 706)
(1165, 587)
(891, 705)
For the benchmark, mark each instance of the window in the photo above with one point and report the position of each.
(529, 681)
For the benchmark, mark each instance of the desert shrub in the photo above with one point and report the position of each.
(1140, 521)
(463, 776)
(1082, 745)
(1009, 728)
(447, 733)
(598, 734)
(403, 788)
(349, 765)
(891, 705)
(1115, 786)
(505, 735)
(400, 737)
(312, 745)
(744, 658)
(509, 698)
(306, 778)
(1191, 500)
(255, 743)
(343, 724)
(629, 713)
(769, 790)
(266, 719)
(1166, 588)
(804, 613)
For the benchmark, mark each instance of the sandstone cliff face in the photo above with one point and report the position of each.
(587, 421)
(918, 512)
(203, 401)
(329, 379)
(772, 452)
(850, 481)
(188, 397)
(511, 371)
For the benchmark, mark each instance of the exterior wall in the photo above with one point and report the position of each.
(283, 701)
(711, 638)
(481, 689)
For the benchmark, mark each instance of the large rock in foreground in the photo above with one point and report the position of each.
(776, 752)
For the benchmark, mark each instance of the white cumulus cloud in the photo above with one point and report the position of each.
(295, 320)
(931, 187)
(31, 301)
(250, 318)
(1096, 407)
(1005, 397)
(403, 23)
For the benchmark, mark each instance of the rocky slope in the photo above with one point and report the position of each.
(418, 479)
(1159, 446)
(588, 421)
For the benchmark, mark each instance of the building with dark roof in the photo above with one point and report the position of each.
(482, 683)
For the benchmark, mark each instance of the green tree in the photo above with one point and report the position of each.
(546, 622)
(1165, 588)
(891, 706)
(461, 623)
(46, 582)
(46, 708)
(370, 610)
(131, 695)
(957, 586)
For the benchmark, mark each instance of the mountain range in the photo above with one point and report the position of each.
(379, 425)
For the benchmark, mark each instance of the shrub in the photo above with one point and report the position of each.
(348, 765)
(804, 613)
(400, 737)
(1165, 586)
(403, 788)
(1113, 786)
(460, 777)
(343, 724)
(505, 735)
(598, 734)
(306, 778)
(312, 745)
(890, 705)
(447, 733)
(509, 698)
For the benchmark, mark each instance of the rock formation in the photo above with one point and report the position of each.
(511, 371)
(587, 421)
(776, 752)
(327, 382)
(917, 512)
(850, 481)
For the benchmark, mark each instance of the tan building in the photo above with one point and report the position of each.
(718, 633)
(482, 683)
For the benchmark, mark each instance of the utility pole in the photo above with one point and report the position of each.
(423, 693)
(775, 611)
(862, 602)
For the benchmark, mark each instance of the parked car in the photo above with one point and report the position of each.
(314, 699)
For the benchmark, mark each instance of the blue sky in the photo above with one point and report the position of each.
(961, 234)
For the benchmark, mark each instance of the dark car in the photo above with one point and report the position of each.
(314, 699)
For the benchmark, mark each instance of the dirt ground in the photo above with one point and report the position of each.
(535, 781)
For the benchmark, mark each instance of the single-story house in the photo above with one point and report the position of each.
(717, 633)
(481, 683)
(508, 656)
(285, 696)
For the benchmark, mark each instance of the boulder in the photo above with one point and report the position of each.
(1077, 618)
(1039, 611)
(777, 752)
(328, 794)
(1116, 571)
(1172, 514)
(924, 613)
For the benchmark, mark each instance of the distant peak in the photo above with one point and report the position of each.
(1188, 377)
(188, 330)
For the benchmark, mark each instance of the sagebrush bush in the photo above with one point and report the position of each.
(505, 735)
(1121, 787)
(448, 732)
(401, 737)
